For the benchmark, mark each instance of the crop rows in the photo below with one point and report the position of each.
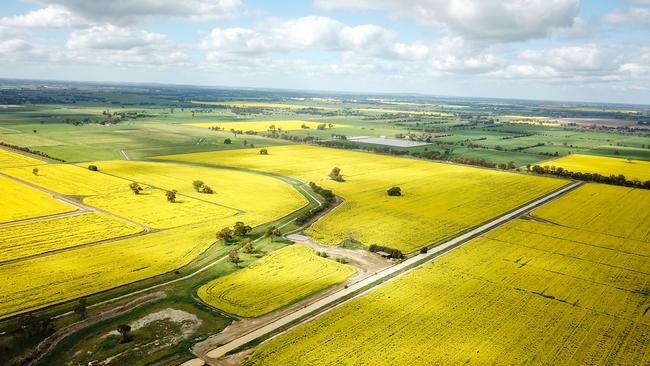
(527, 293)
(278, 279)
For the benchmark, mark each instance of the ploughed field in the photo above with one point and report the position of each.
(115, 237)
(278, 279)
(439, 200)
(567, 286)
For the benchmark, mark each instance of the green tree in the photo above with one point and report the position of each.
(81, 308)
(264, 152)
(135, 187)
(171, 195)
(394, 191)
(335, 174)
(225, 234)
(233, 257)
(197, 184)
(272, 231)
(125, 331)
(241, 229)
(35, 171)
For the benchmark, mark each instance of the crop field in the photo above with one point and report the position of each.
(70, 179)
(234, 191)
(151, 208)
(36, 237)
(439, 200)
(278, 279)
(629, 217)
(631, 169)
(528, 292)
(402, 111)
(253, 104)
(37, 282)
(188, 225)
(11, 159)
(263, 126)
(20, 202)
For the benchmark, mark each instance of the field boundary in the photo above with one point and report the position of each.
(330, 302)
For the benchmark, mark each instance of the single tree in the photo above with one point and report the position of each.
(247, 247)
(135, 187)
(227, 141)
(394, 191)
(264, 152)
(35, 171)
(81, 308)
(171, 195)
(233, 257)
(225, 234)
(197, 184)
(125, 331)
(272, 231)
(206, 189)
(335, 174)
(93, 168)
(241, 229)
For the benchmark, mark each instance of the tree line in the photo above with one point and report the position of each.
(619, 180)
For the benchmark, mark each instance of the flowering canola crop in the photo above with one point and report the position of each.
(530, 292)
(278, 279)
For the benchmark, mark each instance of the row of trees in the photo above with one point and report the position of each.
(393, 253)
(28, 150)
(327, 195)
(619, 180)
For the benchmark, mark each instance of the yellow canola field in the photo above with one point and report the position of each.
(152, 209)
(70, 179)
(632, 169)
(38, 282)
(250, 104)
(20, 202)
(256, 198)
(439, 200)
(628, 216)
(36, 237)
(527, 293)
(278, 279)
(189, 228)
(263, 126)
(12, 159)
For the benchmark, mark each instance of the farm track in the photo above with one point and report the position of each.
(188, 276)
(285, 323)
(48, 344)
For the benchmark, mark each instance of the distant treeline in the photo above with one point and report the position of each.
(26, 149)
(618, 180)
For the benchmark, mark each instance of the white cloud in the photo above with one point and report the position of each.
(495, 20)
(53, 16)
(310, 32)
(124, 47)
(628, 16)
(587, 58)
(113, 38)
(76, 13)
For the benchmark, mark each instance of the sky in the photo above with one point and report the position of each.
(573, 50)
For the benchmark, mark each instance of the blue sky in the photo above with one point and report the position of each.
(589, 50)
